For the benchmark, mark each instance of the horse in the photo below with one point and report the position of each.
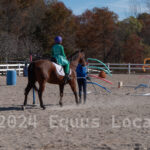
(44, 71)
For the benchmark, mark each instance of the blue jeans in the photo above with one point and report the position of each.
(82, 85)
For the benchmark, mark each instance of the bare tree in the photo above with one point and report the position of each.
(48, 2)
(148, 4)
(8, 46)
(134, 7)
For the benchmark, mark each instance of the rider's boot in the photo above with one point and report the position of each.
(66, 78)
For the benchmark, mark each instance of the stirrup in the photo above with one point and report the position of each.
(66, 78)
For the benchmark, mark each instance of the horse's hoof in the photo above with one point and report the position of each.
(43, 107)
(60, 103)
(23, 107)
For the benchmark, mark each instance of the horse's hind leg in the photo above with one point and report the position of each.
(72, 84)
(27, 90)
(40, 93)
(61, 89)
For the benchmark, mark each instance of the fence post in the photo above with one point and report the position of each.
(108, 66)
(7, 66)
(129, 68)
(19, 69)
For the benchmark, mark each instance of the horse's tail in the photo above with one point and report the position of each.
(31, 75)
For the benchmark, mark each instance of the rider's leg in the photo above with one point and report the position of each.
(66, 69)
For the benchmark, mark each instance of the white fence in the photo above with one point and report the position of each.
(112, 66)
(122, 67)
(17, 67)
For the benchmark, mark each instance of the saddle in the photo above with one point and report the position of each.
(60, 69)
(53, 60)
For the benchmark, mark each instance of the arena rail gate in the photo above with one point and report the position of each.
(130, 68)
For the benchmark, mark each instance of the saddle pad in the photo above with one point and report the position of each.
(60, 69)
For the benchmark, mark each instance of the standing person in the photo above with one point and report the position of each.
(59, 54)
(81, 71)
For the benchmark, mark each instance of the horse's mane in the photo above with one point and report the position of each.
(74, 56)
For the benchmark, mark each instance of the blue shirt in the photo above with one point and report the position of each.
(81, 71)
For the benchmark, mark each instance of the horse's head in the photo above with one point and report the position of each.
(77, 57)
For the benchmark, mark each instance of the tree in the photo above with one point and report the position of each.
(18, 22)
(96, 32)
(135, 7)
(58, 20)
(49, 2)
(129, 26)
(145, 33)
(148, 4)
(9, 15)
(124, 31)
(32, 12)
(133, 50)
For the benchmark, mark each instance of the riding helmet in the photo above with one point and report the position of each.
(58, 39)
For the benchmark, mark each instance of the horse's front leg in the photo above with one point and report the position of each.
(61, 89)
(73, 86)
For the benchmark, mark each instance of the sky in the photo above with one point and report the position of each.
(121, 7)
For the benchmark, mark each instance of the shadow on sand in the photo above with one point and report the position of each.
(19, 107)
(11, 108)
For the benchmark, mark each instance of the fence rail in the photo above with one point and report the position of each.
(5, 67)
(112, 66)
(122, 67)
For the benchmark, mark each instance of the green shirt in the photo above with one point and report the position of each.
(59, 54)
(57, 50)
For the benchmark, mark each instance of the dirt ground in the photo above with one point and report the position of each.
(119, 120)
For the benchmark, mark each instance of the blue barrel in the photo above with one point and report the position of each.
(25, 71)
(11, 77)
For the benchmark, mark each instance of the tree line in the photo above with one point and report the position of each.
(29, 27)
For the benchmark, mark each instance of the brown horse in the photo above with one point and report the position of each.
(43, 71)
